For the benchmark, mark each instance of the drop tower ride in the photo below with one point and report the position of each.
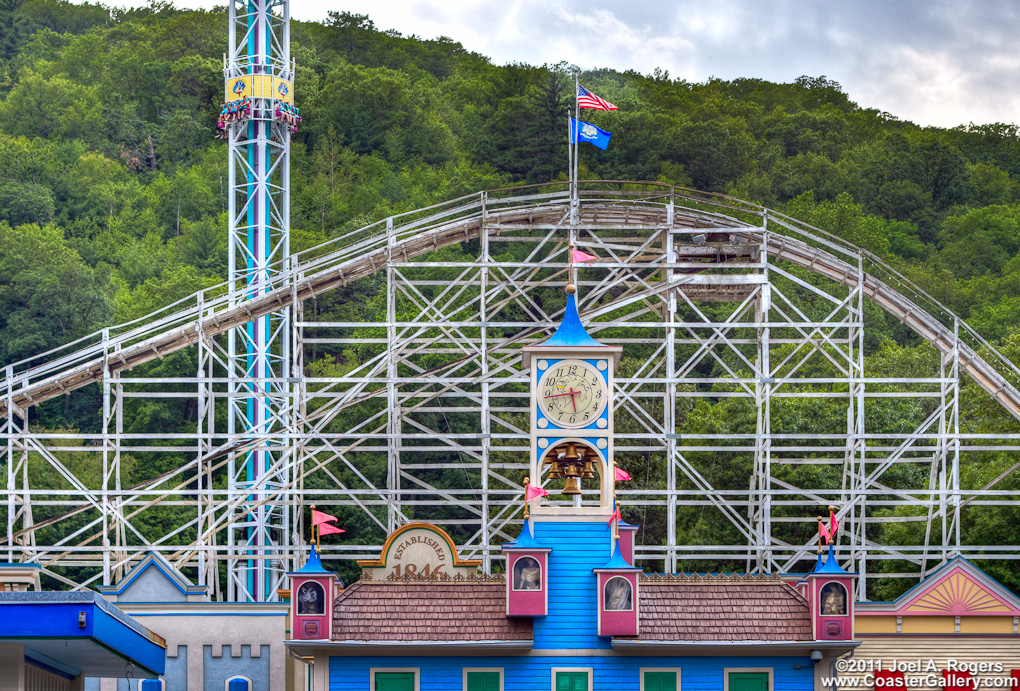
(259, 78)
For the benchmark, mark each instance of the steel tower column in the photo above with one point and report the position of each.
(258, 67)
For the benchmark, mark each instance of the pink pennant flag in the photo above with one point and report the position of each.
(615, 515)
(621, 474)
(318, 517)
(833, 523)
(824, 532)
(533, 492)
(579, 257)
(327, 529)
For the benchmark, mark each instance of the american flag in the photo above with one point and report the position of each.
(586, 99)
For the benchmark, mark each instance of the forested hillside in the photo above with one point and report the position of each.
(112, 185)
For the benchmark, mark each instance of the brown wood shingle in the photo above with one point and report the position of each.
(426, 612)
(716, 612)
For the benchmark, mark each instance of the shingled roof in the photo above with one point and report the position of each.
(426, 612)
(717, 611)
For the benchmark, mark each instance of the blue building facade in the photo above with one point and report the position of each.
(397, 633)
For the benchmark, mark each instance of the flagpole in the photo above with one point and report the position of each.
(577, 118)
(570, 158)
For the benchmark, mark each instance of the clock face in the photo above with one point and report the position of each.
(572, 393)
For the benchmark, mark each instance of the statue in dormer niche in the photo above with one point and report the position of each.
(310, 599)
(833, 598)
(527, 574)
(618, 596)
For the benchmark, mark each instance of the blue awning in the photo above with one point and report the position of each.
(80, 634)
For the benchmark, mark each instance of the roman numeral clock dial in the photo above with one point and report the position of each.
(572, 394)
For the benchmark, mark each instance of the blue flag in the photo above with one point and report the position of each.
(587, 132)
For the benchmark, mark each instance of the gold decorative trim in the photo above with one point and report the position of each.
(437, 578)
(381, 562)
(710, 578)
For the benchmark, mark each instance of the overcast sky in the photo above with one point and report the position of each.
(934, 62)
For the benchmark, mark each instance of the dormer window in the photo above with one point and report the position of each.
(832, 600)
(618, 595)
(527, 574)
(311, 599)
(527, 587)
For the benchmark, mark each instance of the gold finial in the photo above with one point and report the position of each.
(571, 289)
(832, 509)
(527, 502)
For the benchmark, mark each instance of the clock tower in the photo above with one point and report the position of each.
(572, 415)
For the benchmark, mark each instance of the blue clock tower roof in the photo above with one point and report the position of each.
(571, 333)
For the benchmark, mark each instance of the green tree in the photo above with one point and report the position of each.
(48, 295)
(14, 28)
(980, 241)
(25, 203)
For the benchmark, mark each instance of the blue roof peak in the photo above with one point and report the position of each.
(313, 565)
(525, 540)
(571, 332)
(831, 566)
(617, 562)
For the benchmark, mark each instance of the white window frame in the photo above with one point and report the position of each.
(726, 675)
(642, 670)
(541, 575)
(226, 682)
(482, 669)
(322, 592)
(404, 670)
(554, 670)
(605, 586)
(846, 599)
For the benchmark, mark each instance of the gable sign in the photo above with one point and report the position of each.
(418, 551)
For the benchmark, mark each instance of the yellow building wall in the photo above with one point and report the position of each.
(986, 624)
(875, 624)
(882, 624)
(928, 625)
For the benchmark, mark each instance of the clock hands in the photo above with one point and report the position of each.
(570, 393)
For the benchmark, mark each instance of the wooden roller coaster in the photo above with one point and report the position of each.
(463, 222)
